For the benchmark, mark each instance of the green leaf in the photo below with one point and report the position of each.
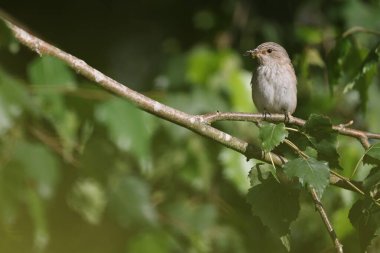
(372, 155)
(275, 204)
(365, 74)
(130, 129)
(39, 165)
(48, 70)
(38, 216)
(365, 217)
(372, 179)
(50, 77)
(371, 183)
(195, 217)
(259, 173)
(324, 139)
(88, 199)
(272, 135)
(7, 39)
(336, 59)
(235, 169)
(319, 127)
(202, 63)
(151, 241)
(310, 172)
(129, 201)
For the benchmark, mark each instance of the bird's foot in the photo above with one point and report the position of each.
(266, 114)
(286, 117)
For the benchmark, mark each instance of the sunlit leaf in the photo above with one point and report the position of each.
(272, 135)
(235, 169)
(88, 199)
(202, 63)
(130, 129)
(310, 172)
(280, 211)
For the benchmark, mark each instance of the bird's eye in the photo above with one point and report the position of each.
(269, 50)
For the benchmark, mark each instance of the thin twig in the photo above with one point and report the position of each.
(326, 221)
(359, 29)
(362, 136)
(348, 181)
(294, 146)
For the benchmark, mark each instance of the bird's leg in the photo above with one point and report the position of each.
(266, 114)
(286, 116)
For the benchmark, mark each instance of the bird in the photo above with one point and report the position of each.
(274, 82)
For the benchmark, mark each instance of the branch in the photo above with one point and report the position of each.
(199, 124)
(326, 221)
(342, 129)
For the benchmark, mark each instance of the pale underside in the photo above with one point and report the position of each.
(274, 88)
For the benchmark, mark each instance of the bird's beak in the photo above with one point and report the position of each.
(252, 53)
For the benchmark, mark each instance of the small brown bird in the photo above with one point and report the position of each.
(274, 83)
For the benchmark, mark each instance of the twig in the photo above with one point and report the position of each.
(197, 123)
(326, 221)
(359, 29)
(362, 136)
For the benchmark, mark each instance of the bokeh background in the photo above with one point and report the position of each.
(84, 171)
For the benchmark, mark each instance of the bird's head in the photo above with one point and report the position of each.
(269, 53)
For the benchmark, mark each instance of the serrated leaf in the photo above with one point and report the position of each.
(310, 172)
(319, 127)
(272, 135)
(323, 138)
(365, 217)
(275, 204)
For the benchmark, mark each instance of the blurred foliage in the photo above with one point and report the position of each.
(84, 171)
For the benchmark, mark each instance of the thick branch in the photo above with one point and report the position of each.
(196, 123)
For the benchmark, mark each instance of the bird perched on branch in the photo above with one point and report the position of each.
(274, 83)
